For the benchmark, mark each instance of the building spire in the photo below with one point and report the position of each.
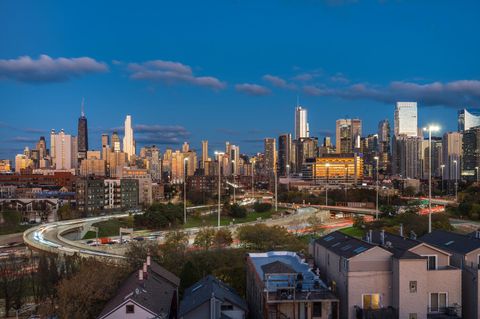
(298, 101)
(82, 113)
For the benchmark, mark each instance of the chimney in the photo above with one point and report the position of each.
(382, 237)
(477, 234)
(401, 230)
(140, 275)
(370, 236)
(149, 260)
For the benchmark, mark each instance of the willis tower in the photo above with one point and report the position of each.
(82, 135)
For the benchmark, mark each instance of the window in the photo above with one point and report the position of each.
(432, 262)
(413, 286)
(412, 316)
(130, 309)
(438, 301)
(317, 309)
(371, 301)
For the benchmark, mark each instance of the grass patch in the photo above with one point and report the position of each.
(212, 219)
(353, 231)
(110, 227)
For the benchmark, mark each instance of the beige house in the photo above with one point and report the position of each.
(465, 250)
(388, 276)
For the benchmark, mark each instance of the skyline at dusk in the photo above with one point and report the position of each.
(233, 73)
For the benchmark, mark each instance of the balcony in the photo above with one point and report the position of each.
(454, 311)
(380, 313)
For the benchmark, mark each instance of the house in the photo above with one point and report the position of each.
(465, 250)
(152, 292)
(210, 298)
(280, 284)
(388, 276)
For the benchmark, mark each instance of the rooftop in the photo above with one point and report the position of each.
(454, 242)
(206, 288)
(154, 293)
(343, 244)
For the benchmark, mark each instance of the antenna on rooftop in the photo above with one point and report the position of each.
(83, 107)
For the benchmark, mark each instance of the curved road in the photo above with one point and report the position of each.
(51, 237)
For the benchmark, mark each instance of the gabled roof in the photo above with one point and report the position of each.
(278, 267)
(154, 294)
(453, 242)
(207, 288)
(344, 245)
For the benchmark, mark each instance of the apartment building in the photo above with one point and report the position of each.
(280, 284)
(465, 250)
(388, 276)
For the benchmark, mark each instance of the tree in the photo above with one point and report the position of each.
(173, 250)
(205, 238)
(13, 281)
(263, 237)
(262, 207)
(85, 293)
(223, 238)
(66, 212)
(237, 211)
(160, 216)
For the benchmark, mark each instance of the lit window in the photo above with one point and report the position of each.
(371, 301)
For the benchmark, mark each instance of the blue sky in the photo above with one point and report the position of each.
(230, 70)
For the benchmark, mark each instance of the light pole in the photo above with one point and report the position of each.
(234, 181)
(276, 194)
(376, 158)
(442, 167)
(456, 180)
(326, 185)
(430, 129)
(219, 156)
(253, 180)
(185, 160)
(476, 169)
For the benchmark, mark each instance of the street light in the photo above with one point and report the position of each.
(442, 167)
(430, 129)
(234, 181)
(376, 158)
(456, 180)
(185, 160)
(326, 185)
(219, 154)
(476, 169)
(253, 179)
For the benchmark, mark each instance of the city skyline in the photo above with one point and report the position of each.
(178, 92)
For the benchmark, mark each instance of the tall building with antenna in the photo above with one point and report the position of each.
(128, 141)
(82, 139)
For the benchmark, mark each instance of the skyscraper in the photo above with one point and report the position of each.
(406, 121)
(284, 154)
(128, 141)
(384, 146)
(204, 153)
(301, 123)
(82, 138)
(52, 146)
(116, 142)
(452, 152)
(468, 119)
(471, 153)
(348, 135)
(42, 147)
(66, 156)
(270, 155)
